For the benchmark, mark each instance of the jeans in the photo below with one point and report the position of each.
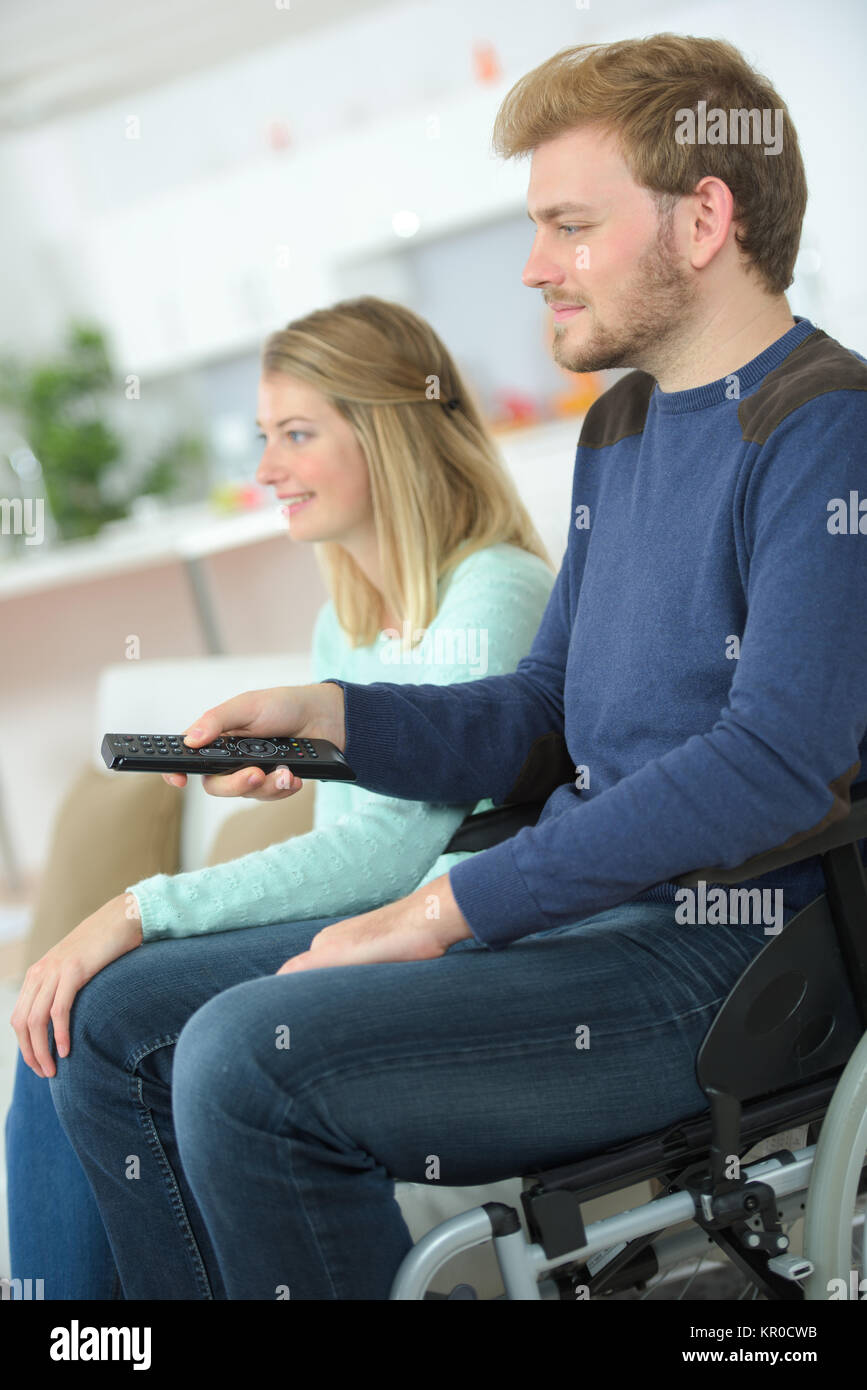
(242, 1131)
(55, 1229)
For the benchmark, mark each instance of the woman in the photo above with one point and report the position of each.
(436, 574)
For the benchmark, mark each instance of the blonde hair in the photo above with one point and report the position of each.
(634, 88)
(439, 489)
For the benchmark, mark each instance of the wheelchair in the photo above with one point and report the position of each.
(786, 1052)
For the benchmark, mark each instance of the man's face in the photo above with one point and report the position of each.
(600, 244)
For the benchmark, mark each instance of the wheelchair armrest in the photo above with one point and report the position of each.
(844, 832)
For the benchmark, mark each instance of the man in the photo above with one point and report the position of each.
(703, 655)
(714, 680)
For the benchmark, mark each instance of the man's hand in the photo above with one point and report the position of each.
(52, 982)
(418, 927)
(308, 711)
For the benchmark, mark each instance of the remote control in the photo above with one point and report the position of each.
(306, 757)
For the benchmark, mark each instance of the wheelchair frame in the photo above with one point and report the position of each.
(787, 1048)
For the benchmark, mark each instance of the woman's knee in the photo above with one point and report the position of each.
(110, 1013)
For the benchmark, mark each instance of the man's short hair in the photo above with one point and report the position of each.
(639, 90)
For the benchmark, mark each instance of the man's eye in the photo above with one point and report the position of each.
(571, 227)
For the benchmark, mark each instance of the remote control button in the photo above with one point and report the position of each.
(213, 752)
(256, 747)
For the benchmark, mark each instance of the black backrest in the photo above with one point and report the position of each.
(790, 1018)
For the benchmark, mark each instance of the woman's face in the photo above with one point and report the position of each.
(314, 462)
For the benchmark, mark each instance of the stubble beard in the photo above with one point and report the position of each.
(652, 310)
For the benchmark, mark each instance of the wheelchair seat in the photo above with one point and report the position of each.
(774, 1058)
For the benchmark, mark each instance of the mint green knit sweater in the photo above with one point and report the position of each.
(366, 850)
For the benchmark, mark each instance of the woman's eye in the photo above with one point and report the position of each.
(288, 435)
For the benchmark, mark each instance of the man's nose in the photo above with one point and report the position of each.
(541, 270)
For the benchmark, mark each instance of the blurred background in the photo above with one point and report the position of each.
(183, 177)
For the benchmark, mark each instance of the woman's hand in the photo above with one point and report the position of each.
(302, 711)
(52, 982)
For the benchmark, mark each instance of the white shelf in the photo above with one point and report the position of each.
(183, 534)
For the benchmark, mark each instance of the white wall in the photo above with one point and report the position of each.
(102, 222)
(88, 215)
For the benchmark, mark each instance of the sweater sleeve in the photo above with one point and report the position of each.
(383, 848)
(792, 726)
(464, 742)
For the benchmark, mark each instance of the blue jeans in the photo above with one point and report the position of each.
(55, 1229)
(242, 1131)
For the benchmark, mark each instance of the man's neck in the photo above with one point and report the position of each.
(721, 341)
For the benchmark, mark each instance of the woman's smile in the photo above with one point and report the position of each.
(296, 501)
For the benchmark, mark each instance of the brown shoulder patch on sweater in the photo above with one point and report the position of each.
(620, 412)
(816, 366)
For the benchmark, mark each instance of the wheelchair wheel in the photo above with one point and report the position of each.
(834, 1205)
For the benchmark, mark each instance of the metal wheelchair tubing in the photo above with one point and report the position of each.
(784, 1178)
(471, 1228)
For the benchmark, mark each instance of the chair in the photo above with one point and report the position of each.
(787, 1049)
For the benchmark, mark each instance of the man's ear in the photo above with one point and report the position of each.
(711, 215)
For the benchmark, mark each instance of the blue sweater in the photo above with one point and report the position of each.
(704, 652)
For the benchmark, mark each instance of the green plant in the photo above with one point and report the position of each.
(59, 405)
